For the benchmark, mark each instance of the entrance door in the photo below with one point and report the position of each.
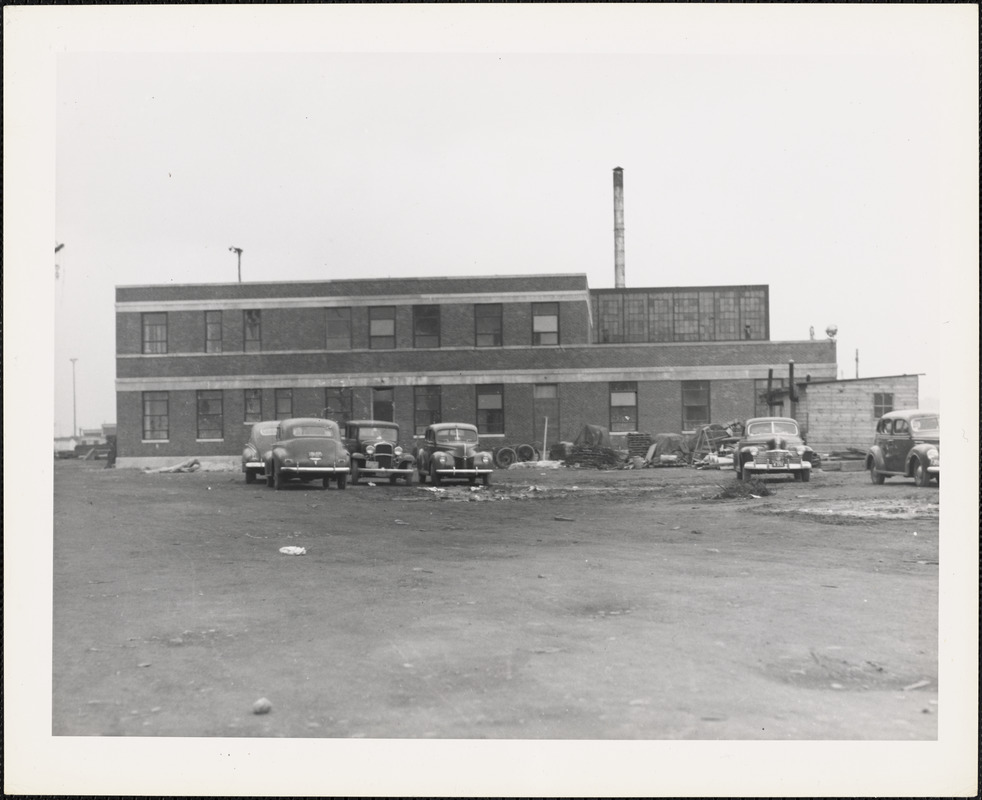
(383, 406)
(545, 406)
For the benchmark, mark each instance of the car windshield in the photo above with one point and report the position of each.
(924, 424)
(303, 431)
(454, 435)
(379, 432)
(772, 426)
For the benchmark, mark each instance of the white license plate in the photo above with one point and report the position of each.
(371, 465)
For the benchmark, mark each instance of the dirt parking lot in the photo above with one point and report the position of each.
(557, 603)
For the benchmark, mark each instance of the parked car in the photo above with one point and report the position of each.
(906, 444)
(308, 449)
(375, 451)
(451, 450)
(255, 454)
(772, 445)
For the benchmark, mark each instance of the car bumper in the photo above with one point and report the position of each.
(936, 470)
(385, 472)
(750, 466)
(316, 470)
(450, 472)
(253, 465)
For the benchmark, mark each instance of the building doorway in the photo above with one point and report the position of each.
(383, 405)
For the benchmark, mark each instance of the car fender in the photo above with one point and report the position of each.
(918, 454)
(874, 458)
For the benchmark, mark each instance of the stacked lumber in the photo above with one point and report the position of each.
(593, 457)
(638, 444)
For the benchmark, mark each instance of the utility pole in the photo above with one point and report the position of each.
(238, 253)
(74, 420)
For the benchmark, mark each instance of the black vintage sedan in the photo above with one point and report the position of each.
(308, 449)
(451, 450)
(906, 444)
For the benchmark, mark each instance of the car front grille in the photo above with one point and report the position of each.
(383, 455)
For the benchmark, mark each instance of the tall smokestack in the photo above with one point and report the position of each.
(619, 228)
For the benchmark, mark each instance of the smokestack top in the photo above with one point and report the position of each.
(619, 280)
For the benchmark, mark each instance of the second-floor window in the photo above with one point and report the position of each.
(284, 403)
(545, 323)
(624, 406)
(426, 407)
(156, 418)
(213, 331)
(155, 333)
(253, 404)
(491, 408)
(426, 326)
(695, 404)
(210, 415)
(382, 327)
(338, 325)
(252, 331)
(487, 325)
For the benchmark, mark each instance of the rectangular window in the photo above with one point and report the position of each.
(252, 400)
(661, 326)
(382, 328)
(337, 404)
(213, 331)
(426, 408)
(487, 325)
(545, 323)
(210, 417)
(695, 404)
(284, 403)
(156, 419)
(635, 313)
(623, 406)
(252, 331)
(727, 316)
(338, 325)
(609, 318)
(882, 403)
(155, 333)
(753, 315)
(707, 317)
(491, 408)
(686, 317)
(426, 326)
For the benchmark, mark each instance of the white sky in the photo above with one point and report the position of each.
(829, 151)
(826, 172)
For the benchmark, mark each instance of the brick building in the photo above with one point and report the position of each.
(197, 364)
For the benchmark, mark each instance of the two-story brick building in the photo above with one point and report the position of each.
(198, 364)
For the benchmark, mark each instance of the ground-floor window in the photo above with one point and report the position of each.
(284, 403)
(252, 400)
(210, 417)
(491, 408)
(624, 406)
(882, 403)
(156, 418)
(337, 404)
(426, 407)
(695, 404)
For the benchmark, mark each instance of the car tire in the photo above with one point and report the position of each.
(277, 478)
(434, 475)
(921, 476)
(876, 477)
(421, 475)
(250, 476)
(486, 479)
(806, 475)
(325, 482)
(269, 475)
(745, 475)
(354, 473)
(342, 481)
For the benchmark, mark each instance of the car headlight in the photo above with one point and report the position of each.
(933, 455)
(753, 451)
(800, 449)
(441, 457)
(398, 450)
(370, 450)
(288, 462)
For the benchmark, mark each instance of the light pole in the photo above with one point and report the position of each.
(74, 422)
(238, 253)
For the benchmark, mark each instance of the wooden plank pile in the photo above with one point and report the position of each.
(593, 457)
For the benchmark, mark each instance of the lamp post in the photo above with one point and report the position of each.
(238, 253)
(74, 421)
